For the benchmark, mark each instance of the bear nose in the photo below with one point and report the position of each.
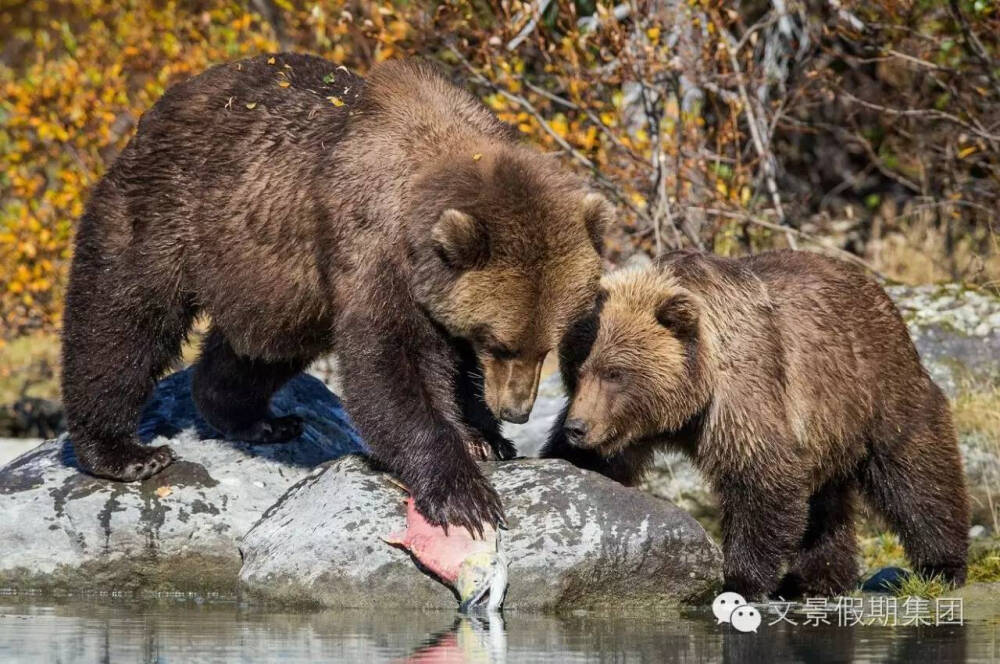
(576, 429)
(515, 416)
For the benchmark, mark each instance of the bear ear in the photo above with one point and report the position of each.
(598, 214)
(678, 312)
(460, 239)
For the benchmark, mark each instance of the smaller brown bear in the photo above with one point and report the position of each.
(792, 382)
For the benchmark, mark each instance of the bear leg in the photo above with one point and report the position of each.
(763, 524)
(914, 478)
(121, 332)
(232, 393)
(475, 412)
(826, 564)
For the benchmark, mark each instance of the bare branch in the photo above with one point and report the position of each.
(582, 159)
(924, 113)
(974, 46)
(767, 159)
(596, 121)
(529, 26)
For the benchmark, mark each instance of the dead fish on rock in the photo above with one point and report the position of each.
(475, 568)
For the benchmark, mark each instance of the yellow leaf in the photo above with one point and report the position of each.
(560, 125)
(283, 84)
(164, 491)
(477, 156)
(965, 152)
(252, 105)
(653, 34)
(336, 101)
(270, 61)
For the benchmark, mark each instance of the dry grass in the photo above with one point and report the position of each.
(986, 567)
(977, 419)
(29, 366)
(919, 253)
(977, 411)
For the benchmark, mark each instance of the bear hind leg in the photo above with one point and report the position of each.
(117, 340)
(918, 486)
(233, 393)
(826, 564)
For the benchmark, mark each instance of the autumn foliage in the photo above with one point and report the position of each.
(870, 129)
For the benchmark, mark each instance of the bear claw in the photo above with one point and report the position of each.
(133, 464)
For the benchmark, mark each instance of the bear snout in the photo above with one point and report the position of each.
(576, 431)
(515, 416)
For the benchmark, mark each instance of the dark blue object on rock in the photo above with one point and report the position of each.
(886, 580)
(327, 429)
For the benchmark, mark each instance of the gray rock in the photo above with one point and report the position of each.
(575, 540)
(956, 330)
(63, 530)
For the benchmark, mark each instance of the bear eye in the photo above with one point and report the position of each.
(501, 352)
(612, 375)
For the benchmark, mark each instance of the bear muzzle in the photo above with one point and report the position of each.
(511, 387)
(576, 432)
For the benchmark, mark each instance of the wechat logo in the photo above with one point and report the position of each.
(733, 609)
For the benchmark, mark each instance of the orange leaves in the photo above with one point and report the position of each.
(73, 102)
(72, 105)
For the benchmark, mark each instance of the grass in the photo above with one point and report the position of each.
(978, 411)
(921, 253)
(885, 550)
(916, 585)
(985, 568)
(29, 366)
(977, 419)
(881, 550)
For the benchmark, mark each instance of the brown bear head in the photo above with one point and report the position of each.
(510, 259)
(645, 372)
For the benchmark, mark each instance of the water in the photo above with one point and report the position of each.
(172, 631)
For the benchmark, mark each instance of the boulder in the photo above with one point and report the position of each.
(575, 540)
(63, 530)
(957, 332)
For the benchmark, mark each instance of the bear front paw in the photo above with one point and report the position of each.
(466, 500)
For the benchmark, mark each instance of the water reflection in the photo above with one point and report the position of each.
(186, 632)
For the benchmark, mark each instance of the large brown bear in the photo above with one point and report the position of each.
(792, 382)
(304, 209)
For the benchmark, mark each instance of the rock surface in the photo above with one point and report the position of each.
(575, 540)
(179, 530)
(957, 332)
